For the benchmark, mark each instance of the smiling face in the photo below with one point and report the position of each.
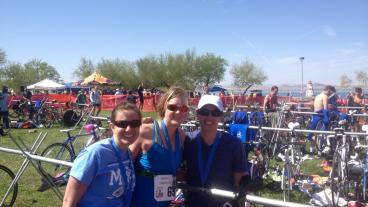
(126, 135)
(209, 116)
(175, 113)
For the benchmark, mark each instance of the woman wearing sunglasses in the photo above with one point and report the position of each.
(103, 173)
(214, 158)
(159, 151)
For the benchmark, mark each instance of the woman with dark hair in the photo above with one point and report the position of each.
(103, 173)
(158, 151)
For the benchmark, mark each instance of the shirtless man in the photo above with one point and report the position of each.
(321, 106)
(269, 106)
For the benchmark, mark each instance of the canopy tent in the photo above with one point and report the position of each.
(96, 79)
(46, 84)
(216, 88)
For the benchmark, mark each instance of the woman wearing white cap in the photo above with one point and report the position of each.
(214, 158)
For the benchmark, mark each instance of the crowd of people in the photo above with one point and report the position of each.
(140, 164)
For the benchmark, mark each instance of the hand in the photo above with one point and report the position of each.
(147, 120)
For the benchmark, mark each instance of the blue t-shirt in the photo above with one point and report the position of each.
(228, 159)
(98, 167)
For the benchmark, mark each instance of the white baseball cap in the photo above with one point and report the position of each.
(211, 99)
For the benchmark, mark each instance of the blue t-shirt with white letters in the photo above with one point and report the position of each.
(98, 167)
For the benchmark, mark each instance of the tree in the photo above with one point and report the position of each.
(84, 69)
(2, 57)
(168, 70)
(246, 74)
(345, 81)
(362, 77)
(120, 71)
(38, 70)
(151, 72)
(209, 69)
(15, 75)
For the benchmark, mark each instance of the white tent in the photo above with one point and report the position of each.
(46, 84)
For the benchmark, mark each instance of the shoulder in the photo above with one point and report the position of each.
(229, 140)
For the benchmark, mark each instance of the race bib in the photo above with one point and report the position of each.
(163, 188)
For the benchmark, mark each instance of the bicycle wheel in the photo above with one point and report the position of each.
(320, 138)
(6, 177)
(57, 151)
(70, 118)
(338, 179)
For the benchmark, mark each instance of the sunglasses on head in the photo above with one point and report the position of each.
(182, 108)
(207, 112)
(124, 124)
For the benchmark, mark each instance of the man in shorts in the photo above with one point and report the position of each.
(95, 98)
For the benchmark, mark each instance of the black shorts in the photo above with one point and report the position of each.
(96, 104)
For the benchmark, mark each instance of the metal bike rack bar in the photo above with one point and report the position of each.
(24, 165)
(307, 131)
(314, 113)
(36, 157)
(30, 158)
(294, 130)
(272, 202)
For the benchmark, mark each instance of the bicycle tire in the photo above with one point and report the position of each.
(338, 181)
(7, 175)
(59, 151)
(320, 138)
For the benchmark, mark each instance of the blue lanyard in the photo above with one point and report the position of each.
(203, 174)
(173, 155)
(122, 170)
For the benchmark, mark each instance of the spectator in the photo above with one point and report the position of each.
(81, 100)
(141, 96)
(131, 98)
(4, 113)
(118, 92)
(269, 106)
(103, 173)
(95, 98)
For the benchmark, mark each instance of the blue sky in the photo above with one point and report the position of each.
(331, 35)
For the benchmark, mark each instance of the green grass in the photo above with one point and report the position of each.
(31, 180)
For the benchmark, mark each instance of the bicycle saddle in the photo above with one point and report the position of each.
(66, 130)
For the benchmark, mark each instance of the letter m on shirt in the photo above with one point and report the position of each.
(115, 177)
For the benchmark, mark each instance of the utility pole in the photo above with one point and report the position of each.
(302, 87)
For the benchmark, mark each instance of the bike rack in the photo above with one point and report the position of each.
(30, 158)
(305, 131)
(314, 113)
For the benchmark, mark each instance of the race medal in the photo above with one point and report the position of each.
(164, 189)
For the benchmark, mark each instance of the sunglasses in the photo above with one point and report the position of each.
(124, 124)
(175, 108)
(207, 112)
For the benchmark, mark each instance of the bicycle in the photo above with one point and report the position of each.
(6, 177)
(65, 151)
(338, 174)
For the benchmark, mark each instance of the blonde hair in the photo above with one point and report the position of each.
(173, 92)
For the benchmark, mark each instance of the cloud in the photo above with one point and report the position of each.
(325, 29)
(329, 31)
(358, 44)
(345, 51)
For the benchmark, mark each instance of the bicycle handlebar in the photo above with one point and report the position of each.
(249, 198)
